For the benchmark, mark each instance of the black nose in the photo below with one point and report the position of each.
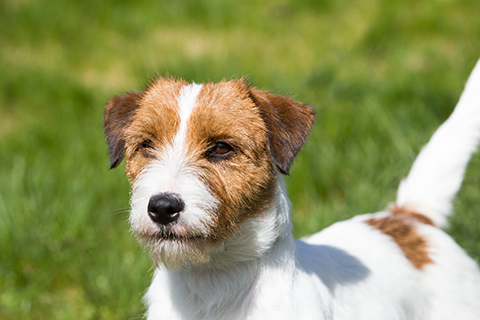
(164, 208)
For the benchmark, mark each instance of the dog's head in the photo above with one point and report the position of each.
(203, 163)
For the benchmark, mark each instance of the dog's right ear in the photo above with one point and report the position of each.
(118, 115)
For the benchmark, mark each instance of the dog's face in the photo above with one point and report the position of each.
(202, 160)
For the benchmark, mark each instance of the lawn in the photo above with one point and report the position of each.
(382, 75)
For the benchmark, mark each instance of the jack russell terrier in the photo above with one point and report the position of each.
(208, 201)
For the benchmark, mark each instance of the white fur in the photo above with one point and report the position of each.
(172, 174)
(186, 102)
(347, 271)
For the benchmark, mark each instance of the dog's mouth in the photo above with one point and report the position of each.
(169, 235)
(173, 249)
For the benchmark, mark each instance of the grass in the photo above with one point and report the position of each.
(381, 75)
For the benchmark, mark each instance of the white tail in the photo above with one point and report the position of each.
(437, 173)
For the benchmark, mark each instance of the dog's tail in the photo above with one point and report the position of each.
(437, 173)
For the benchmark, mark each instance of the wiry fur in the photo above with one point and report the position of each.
(231, 254)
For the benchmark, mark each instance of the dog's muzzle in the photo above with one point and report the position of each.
(165, 208)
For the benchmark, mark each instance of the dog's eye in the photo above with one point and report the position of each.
(145, 146)
(219, 151)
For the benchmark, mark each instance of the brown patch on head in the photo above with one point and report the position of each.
(139, 121)
(261, 129)
(153, 126)
(244, 181)
(400, 225)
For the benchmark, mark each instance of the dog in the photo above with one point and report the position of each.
(205, 162)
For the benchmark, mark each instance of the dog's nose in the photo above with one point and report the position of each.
(165, 208)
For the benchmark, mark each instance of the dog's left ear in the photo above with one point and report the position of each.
(288, 125)
(118, 115)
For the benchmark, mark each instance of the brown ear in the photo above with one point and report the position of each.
(288, 125)
(118, 114)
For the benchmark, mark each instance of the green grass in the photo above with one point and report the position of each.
(382, 76)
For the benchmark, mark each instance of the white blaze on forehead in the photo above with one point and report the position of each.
(187, 101)
(175, 157)
(171, 173)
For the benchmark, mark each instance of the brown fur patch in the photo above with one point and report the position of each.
(403, 210)
(400, 225)
(244, 183)
(156, 122)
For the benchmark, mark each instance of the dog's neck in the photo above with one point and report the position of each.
(262, 252)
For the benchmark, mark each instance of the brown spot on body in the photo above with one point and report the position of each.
(401, 226)
(403, 210)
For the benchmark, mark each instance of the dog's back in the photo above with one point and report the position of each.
(399, 264)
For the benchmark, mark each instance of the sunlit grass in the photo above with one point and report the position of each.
(381, 76)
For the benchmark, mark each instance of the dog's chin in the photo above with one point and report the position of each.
(175, 251)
